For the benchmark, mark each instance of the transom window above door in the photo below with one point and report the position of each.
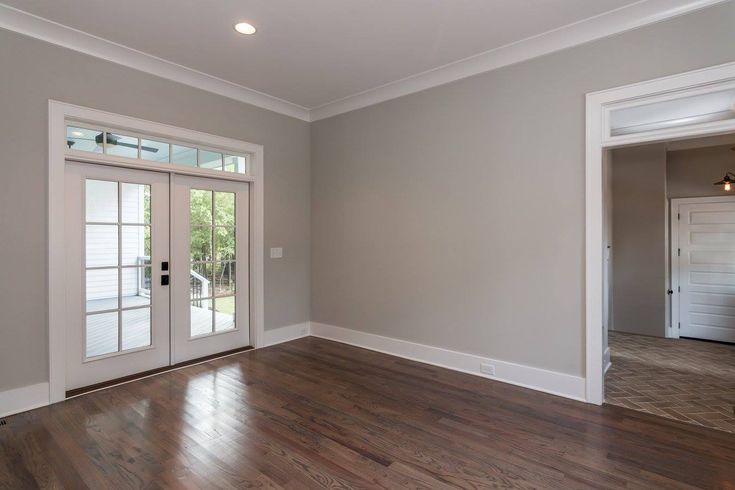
(80, 137)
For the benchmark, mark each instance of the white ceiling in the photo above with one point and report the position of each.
(311, 53)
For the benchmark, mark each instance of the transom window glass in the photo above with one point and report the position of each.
(118, 266)
(151, 149)
(213, 264)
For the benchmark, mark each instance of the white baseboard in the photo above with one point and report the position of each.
(284, 334)
(606, 360)
(24, 398)
(544, 380)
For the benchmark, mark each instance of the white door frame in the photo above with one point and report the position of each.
(59, 114)
(598, 138)
(675, 204)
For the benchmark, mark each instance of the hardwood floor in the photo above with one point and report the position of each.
(313, 413)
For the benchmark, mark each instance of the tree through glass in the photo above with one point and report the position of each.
(212, 256)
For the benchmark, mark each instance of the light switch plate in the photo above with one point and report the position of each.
(277, 253)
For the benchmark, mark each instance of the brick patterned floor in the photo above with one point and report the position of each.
(688, 380)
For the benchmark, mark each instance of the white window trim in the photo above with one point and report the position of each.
(598, 138)
(59, 114)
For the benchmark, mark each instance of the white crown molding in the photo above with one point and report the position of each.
(31, 25)
(610, 23)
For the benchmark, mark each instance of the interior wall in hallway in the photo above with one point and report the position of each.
(639, 240)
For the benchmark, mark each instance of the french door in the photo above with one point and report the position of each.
(150, 284)
(211, 309)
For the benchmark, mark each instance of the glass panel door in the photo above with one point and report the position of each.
(211, 304)
(117, 235)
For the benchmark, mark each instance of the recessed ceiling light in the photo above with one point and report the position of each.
(245, 28)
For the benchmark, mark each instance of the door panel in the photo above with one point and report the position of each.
(211, 267)
(117, 235)
(707, 271)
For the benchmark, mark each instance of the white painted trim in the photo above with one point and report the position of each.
(285, 334)
(597, 139)
(23, 399)
(553, 382)
(34, 26)
(673, 332)
(607, 360)
(59, 112)
(607, 24)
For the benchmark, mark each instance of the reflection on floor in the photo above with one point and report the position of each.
(688, 380)
(102, 335)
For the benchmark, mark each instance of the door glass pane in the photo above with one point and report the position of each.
(101, 201)
(102, 289)
(156, 151)
(200, 207)
(118, 260)
(101, 334)
(136, 245)
(136, 286)
(201, 243)
(224, 241)
(210, 159)
(201, 317)
(201, 284)
(224, 313)
(135, 203)
(84, 139)
(101, 245)
(136, 328)
(224, 208)
(184, 155)
(224, 278)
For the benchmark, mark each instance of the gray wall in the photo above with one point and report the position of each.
(454, 217)
(690, 173)
(32, 73)
(639, 240)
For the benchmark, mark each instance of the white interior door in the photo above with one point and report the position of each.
(117, 238)
(211, 257)
(706, 257)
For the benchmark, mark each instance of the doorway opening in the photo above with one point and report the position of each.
(670, 271)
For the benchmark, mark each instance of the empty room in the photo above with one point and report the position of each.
(361, 244)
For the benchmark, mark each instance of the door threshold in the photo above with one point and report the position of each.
(152, 372)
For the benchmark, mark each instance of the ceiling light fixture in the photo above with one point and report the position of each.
(728, 180)
(245, 28)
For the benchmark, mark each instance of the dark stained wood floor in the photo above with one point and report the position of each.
(313, 413)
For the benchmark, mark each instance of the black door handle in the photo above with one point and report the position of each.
(670, 291)
(164, 279)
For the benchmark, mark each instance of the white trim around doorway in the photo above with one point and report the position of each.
(59, 114)
(599, 138)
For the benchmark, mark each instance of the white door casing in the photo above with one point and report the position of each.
(703, 268)
(600, 107)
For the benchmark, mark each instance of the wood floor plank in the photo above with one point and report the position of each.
(318, 414)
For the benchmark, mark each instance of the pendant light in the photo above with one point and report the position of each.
(728, 180)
